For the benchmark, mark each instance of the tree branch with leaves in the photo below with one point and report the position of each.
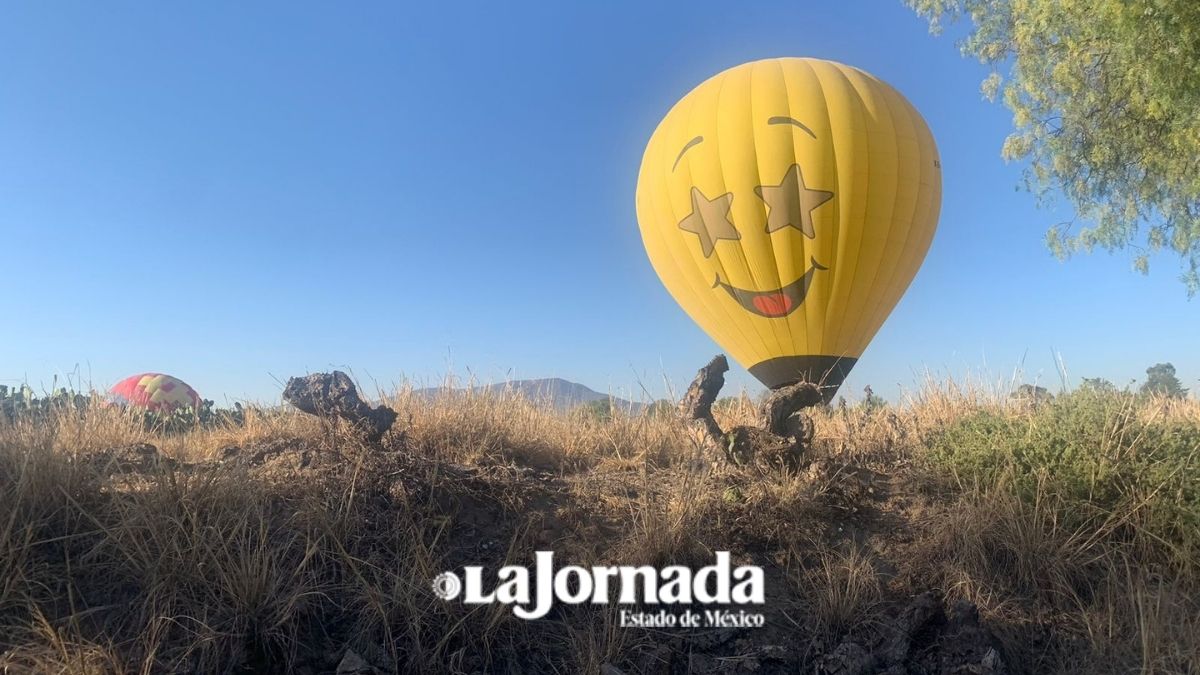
(1105, 96)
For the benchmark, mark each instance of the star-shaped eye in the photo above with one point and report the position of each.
(709, 220)
(791, 203)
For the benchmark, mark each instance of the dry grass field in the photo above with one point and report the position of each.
(281, 542)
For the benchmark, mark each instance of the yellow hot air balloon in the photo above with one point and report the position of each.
(786, 204)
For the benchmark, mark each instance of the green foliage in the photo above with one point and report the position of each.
(600, 410)
(1092, 448)
(1161, 381)
(182, 420)
(1097, 385)
(23, 403)
(662, 408)
(1105, 97)
(1032, 393)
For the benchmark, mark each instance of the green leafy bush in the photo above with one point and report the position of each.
(1105, 452)
(600, 410)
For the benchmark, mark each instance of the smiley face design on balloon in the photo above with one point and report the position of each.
(787, 204)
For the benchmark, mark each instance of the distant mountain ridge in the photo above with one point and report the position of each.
(559, 393)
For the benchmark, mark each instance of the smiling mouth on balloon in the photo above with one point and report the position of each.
(779, 302)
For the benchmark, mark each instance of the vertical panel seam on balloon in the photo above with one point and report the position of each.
(786, 320)
(882, 310)
(762, 342)
(704, 298)
(839, 231)
(782, 334)
(863, 194)
(715, 303)
(723, 306)
(912, 254)
(866, 317)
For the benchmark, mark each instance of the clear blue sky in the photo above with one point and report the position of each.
(239, 192)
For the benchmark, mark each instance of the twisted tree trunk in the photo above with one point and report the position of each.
(784, 432)
(334, 395)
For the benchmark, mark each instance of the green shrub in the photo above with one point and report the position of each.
(1102, 451)
(600, 410)
(662, 408)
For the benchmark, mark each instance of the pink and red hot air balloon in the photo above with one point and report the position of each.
(155, 391)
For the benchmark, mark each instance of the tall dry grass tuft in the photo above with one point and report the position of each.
(258, 428)
(504, 427)
(841, 590)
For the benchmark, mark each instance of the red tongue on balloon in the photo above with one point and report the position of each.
(773, 304)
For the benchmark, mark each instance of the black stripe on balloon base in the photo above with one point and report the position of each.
(826, 371)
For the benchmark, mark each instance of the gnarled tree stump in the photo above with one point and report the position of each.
(784, 432)
(334, 395)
